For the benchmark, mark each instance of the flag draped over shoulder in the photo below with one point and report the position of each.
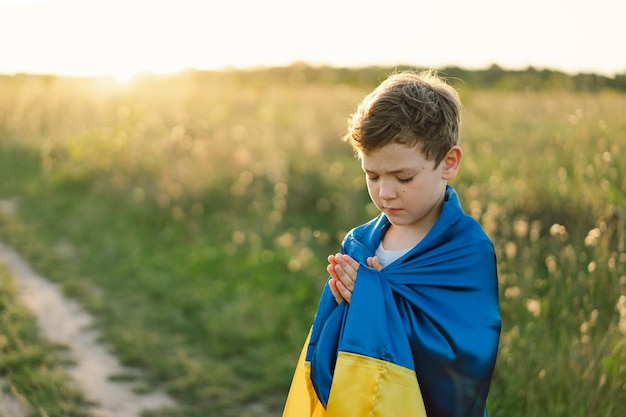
(418, 338)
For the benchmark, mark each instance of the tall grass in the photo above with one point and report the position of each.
(553, 201)
(193, 215)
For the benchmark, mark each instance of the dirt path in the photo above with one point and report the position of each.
(64, 321)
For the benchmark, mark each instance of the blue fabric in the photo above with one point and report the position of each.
(435, 311)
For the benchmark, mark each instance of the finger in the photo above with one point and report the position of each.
(349, 265)
(345, 293)
(332, 272)
(350, 261)
(332, 284)
(345, 278)
(374, 262)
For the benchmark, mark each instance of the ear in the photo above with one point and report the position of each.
(451, 163)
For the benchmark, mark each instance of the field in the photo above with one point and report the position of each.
(192, 216)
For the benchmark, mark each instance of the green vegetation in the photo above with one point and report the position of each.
(192, 216)
(32, 366)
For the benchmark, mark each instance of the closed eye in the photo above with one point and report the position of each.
(405, 180)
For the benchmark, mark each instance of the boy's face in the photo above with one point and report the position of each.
(406, 186)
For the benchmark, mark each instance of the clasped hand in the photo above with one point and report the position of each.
(343, 270)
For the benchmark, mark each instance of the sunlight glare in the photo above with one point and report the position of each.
(122, 38)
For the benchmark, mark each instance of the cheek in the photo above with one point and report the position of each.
(372, 190)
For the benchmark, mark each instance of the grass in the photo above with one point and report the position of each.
(31, 366)
(192, 215)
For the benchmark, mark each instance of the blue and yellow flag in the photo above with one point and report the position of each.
(419, 338)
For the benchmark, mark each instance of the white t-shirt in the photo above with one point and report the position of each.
(385, 257)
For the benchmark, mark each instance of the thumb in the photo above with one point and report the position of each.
(373, 262)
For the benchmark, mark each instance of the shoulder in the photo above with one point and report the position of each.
(459, 227)
(361, 241)
(469, 232)
(473, 228)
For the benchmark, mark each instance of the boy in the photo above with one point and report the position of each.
(409, 322)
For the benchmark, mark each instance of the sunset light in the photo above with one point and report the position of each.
(122, 38)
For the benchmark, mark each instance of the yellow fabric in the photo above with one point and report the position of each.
(362, 386)
(302, 400)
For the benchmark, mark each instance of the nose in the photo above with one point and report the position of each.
(386, 191)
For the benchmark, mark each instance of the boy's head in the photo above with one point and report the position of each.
(411, 109)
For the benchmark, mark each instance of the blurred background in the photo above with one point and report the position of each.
(124, 37)
(176, 166)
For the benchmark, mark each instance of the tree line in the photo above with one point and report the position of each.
(493, 77)
(299, 74)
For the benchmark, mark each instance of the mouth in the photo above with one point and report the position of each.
(391, 210)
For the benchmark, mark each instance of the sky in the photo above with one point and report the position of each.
(124, 37)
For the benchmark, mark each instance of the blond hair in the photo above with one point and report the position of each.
(409, 108)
